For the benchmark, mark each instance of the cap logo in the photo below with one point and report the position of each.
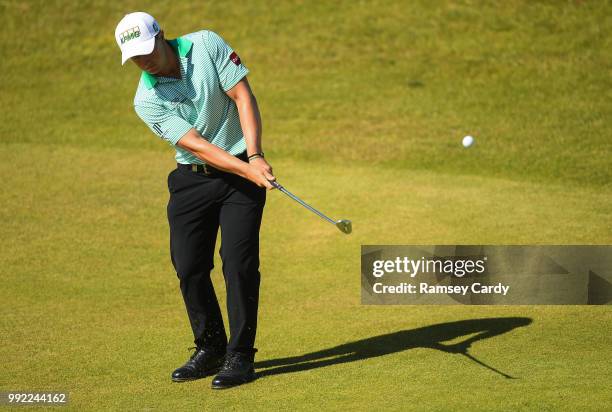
(129, 34)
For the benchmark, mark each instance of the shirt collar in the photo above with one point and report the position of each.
(181, 46)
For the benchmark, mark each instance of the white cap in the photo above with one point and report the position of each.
(135, 35)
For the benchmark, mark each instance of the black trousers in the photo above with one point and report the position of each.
(197, 207)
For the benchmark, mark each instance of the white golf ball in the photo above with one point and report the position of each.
(468, 141)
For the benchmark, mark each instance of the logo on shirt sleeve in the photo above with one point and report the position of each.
(234, 58)
(158, 129)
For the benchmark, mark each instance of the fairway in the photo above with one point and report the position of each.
(364, 106)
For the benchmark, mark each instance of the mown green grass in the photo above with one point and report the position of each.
(364, 106)
(382, 82)
(91, 303)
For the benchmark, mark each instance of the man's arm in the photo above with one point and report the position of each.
(250, 121)
(219, 158)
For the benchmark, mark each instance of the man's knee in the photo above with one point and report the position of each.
(187, 267)
(247, 267)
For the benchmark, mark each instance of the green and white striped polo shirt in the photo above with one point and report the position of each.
(171, 107)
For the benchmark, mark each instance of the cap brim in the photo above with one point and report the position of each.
(137, 49)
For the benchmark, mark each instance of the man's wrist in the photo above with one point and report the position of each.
(256, 155)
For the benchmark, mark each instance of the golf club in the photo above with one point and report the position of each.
(343, 224)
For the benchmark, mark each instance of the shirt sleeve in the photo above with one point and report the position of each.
(227, 62)
(163, 122)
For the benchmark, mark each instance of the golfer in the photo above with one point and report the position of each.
(193, 93)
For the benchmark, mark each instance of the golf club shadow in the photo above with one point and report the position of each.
(426, 337)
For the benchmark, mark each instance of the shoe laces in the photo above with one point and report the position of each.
(196, 351)
(231, 361)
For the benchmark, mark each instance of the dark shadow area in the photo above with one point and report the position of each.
(425, 337)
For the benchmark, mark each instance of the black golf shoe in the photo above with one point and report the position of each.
(237, 369)
(203, 362)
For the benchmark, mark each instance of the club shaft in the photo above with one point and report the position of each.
(300, 201)
(486, 366)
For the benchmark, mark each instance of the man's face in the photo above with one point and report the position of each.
(154, 62)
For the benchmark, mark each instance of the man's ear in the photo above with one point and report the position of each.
(161, 34)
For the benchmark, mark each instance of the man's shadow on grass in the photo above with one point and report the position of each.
(425, 337)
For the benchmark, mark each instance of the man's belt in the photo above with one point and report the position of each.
(207, 169)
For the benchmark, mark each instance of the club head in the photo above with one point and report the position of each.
(345, 226)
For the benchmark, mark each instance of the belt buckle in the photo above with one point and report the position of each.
(205, 170)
